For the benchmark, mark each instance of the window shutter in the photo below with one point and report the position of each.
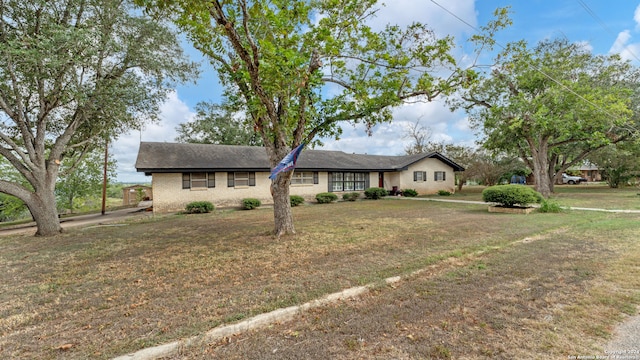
(252, 179)
(186, 180)
(230, 181)
(444, 175)
(211, 180)
(367, 180)
(330, 177)
(424, 176)
(415, 176)
(315, 177)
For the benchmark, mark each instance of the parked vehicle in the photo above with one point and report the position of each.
(572, 180)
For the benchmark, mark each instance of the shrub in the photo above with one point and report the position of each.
(375, 193)
(326, 197)
(510, 195)
(409, 193)
(296, 200)
(444, 193)
(250, 203)
(353, 196)
(550, 206)
(199, 207)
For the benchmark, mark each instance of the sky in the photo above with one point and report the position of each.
(605, 27)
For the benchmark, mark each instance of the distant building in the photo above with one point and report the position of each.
(588, 171)
(132, 195)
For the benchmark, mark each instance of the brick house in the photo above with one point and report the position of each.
(226, 174)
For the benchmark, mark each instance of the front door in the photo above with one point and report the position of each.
(381, 179)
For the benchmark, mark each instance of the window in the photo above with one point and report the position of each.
(304, 177)
(439, 176)
(241, 179)
(198, 180)
(419, 176)
(348, 181)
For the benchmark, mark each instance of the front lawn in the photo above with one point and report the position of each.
(510, 285)
(585, 195)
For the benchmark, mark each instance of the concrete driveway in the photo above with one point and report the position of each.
(81, 220)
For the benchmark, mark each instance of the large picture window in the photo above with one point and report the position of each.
(348, 181)
(199, 180)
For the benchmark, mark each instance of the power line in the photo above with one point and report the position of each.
(531, 65)
(603, 25)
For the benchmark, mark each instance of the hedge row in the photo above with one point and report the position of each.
(373, 193)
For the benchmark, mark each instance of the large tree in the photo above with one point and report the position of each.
(299, 67)
(618, 163)
(83, 178)
(553, 105)
(218, 124)
(73, 72)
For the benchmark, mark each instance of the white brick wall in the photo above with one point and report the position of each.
(430, 186)
(168, 195)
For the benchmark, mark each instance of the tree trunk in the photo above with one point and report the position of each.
(541, 170)
(43, 209)
(282, 215)
(71, 204)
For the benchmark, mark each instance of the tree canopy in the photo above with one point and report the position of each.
(218, 124)
(553, 105)
(73, 74)
(84, 179)
(619, 163)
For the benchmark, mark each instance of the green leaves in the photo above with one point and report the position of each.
(300, 67)
(555, 101)
(74, 73)
(218, 124)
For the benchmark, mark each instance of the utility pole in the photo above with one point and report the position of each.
(104, 178)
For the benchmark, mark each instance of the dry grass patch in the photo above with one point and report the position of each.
(558, 296)
(103, 292)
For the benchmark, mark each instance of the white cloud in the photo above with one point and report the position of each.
(125, 150)
(463, 124)
(405, 12)
(627, 51)
(636, 16)
(621, 42)
(586, 45)
(390, 139)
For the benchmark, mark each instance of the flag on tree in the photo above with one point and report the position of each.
(287, 163)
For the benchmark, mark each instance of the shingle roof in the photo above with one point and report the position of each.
(178, 157)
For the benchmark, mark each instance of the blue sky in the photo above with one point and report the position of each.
(611, 26)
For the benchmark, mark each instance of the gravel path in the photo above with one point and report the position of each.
(625, 343)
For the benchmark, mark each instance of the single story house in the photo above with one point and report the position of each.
(226, 174)
(588, 171)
